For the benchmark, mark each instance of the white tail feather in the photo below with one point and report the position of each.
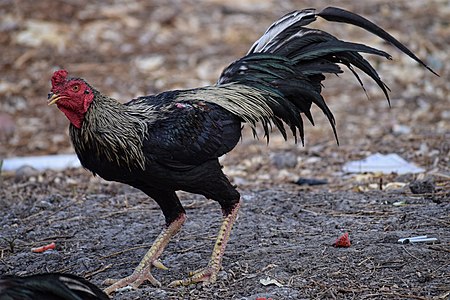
(269, 37)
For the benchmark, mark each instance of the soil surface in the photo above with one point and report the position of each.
(281, 246)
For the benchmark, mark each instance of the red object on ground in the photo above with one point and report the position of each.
(343, 241)
(43, 248)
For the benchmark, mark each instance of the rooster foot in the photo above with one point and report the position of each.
(206, 275)
(150, 260)
(134, 280)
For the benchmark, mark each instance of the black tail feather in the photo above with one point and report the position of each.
(319, 50)
(287, 65)
(335, 14)
(355, 59)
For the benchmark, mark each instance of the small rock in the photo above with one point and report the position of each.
(399, 129)
(310, 181)
(425, 186)
(149, 63)
(407, 177)
(25, 172)
(284, 160)
(312, 160)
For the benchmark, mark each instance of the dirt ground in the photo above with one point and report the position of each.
(285, 231)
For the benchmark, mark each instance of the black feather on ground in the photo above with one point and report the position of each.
(50, 286)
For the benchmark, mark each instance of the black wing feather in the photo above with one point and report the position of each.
(208, 132)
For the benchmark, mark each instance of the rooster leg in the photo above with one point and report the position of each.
(142, 272)
(209, 273)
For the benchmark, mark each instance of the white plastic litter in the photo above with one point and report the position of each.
(390, 163)
(417, 239)
(270, 281)
(53, 162)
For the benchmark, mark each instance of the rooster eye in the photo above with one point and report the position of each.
(76, 88)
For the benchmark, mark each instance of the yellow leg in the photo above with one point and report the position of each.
(209, 273)
(142, 272)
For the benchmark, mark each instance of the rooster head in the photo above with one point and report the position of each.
(71, 95)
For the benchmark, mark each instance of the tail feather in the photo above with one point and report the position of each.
(355, 59)
(336, 14)
(278, 31)
(337, 47)
(286, 67)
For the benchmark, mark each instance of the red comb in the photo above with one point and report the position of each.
(59, 77)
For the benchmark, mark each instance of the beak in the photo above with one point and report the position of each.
(52, 98)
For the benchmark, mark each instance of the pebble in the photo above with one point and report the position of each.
(425, 186)
(149, 63)
(25, 172)
(284, 160)
(400, 129)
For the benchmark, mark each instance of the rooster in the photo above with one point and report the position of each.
(172, 141)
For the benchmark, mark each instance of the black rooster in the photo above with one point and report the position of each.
(50, 286)
(171, 141)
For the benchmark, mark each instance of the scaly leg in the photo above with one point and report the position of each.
(209, 273)
(142, 272)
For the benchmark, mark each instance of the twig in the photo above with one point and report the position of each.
(126, 210)
(5, 263)
(310, 211)
(339, 289)
(63, 270)
(433, 247)
(438, 268)
(71, 203)
(90, 274)
(197, 204)
(125, 250)
(440, 220)
(55, 238)
(364, 260)
(404, 248)
(189, 249)
(399, 266)
(397, 295)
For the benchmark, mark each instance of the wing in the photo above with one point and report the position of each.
(190, 133)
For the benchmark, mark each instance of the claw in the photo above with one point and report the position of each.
(158, 264)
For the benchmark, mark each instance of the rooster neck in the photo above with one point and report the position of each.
(111, 133)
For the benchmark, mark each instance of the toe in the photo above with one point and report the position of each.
(149, 277)
(109, 281)
(176, 283)
(207, 275)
